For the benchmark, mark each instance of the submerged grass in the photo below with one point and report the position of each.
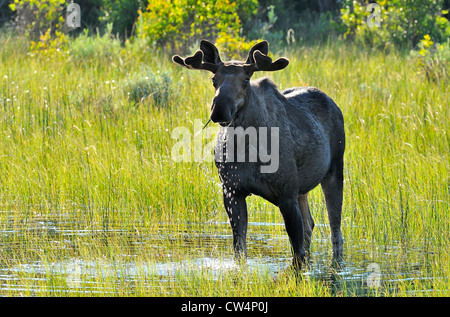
(93, 204)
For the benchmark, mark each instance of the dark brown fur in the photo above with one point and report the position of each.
(311, 145)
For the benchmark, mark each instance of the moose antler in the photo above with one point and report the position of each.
(195, 62)
(258, 60)
(206, 58)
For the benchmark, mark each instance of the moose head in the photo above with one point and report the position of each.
(231, 79)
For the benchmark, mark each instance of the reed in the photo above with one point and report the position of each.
(93, 204)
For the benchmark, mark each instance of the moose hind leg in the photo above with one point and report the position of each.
(294, 226)
(332, 187)
(236, 208)
(308, 222)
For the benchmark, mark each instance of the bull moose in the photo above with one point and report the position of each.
(311, 143)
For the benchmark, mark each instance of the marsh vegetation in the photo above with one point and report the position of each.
(93, 204)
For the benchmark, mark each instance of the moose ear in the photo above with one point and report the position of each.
(264, 62)
(210, 52)
(263, 47)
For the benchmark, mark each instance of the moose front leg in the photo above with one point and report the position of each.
(236, 208)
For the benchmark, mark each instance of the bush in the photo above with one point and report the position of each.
(433, 59)
(43, 23)
(49, 45)
(403, 23)
(122, 14)
(99, 47)
(180, 24)
(264, 28)
(146, 84)
(281, 26)
(37, 17)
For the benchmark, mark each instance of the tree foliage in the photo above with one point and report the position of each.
(403, 22)
(235, 25)
(180, 23)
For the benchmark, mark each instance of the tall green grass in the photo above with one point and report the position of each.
(77, 151)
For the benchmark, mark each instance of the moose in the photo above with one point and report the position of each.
(311, 143)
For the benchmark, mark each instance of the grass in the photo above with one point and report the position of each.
(92, 203)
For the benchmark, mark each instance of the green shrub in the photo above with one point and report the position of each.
(403, 23)
(98, 47)
(180, 24)
(145, 84)
(264, 28)
(281, 26)
(432, 59)
(36, 17)
(43, 23)
(122, 14)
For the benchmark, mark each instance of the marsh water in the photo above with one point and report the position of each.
(181, 249)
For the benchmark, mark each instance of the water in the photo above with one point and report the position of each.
(185, 249)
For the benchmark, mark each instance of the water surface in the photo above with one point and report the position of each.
(175, 250)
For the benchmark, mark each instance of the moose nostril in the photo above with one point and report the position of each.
(220, 116)
(222, 108)
(213, 117)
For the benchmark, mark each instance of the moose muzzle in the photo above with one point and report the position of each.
(222, 109)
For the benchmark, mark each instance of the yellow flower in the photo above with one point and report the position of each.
(427, 42)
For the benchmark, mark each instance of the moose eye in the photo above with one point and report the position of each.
(246, 82)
